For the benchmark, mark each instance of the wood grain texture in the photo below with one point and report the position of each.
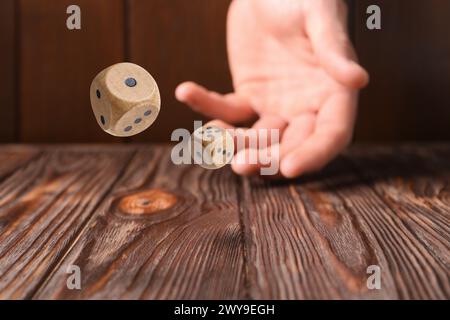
(414, 184)
(140, 227)
(408, 61)
(42, 208)
(178, 41)
(305, 240)
(190, 249)
(13, 157)
(315, 239)
(182, 40)
(58, 65)
(8, 71)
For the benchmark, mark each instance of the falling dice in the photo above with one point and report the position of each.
(125, 99)
(212, 147)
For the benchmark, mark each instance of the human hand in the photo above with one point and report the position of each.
(294, 67)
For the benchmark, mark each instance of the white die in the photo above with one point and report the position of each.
(212, 147)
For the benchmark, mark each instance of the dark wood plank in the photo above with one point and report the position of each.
(315, 240)
(8, 67)
(43, 207)
(304, 240)
(176, 41)
(408, 97)
(351, 18)
(57, 66)
(164, 232)
(13, 157)
(414, 183)
(168, 231)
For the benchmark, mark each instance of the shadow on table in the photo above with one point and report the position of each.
(363, 166)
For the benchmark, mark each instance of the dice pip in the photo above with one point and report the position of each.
(125, 99)
(212, 147)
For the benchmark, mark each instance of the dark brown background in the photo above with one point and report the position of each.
(46, 69)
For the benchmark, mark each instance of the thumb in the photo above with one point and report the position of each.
(326, 25)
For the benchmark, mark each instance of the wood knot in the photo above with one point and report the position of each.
(147, 202)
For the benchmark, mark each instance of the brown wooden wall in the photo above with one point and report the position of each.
(409, 63)
(46, 69)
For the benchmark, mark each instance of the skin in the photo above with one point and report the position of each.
(293, 69)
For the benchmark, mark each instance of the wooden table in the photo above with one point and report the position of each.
(139, 227)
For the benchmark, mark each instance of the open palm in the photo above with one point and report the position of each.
(293, 69)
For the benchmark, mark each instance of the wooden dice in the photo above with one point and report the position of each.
(125, 99)
(212, 147)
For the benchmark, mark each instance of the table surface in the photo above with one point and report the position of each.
(140, 227)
